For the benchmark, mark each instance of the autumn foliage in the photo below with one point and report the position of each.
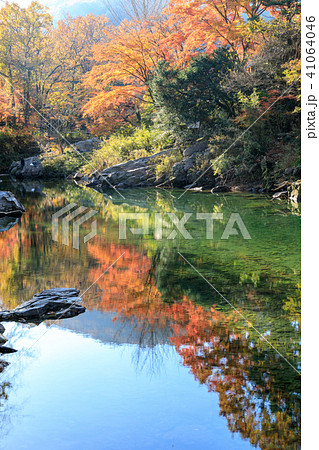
(124, 67)
(89, 74)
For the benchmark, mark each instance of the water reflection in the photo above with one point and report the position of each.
(7, 222)
(153, 302)
(88, 395)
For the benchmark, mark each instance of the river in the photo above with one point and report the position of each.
(188, 342)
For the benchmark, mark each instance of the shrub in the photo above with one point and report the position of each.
(120, 148)
(14, 145)
(165, 164)
(61, 166)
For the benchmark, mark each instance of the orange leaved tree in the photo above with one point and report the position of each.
(203, 25)
(120, 80)
(72, 43)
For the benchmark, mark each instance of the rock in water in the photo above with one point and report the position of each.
(51, 304)
(28, 168)
(9, 205)
(2, 329)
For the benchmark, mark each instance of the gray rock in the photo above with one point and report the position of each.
(192, 177)
(141, 172)
(122, 186)
(51, 304)
(31, 168)
(2, 329)
(88, 146)
(134, 173)
(199, 146)
(179, 174)
(9, 205)
(189, 163)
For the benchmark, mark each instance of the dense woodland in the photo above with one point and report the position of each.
(166, 74)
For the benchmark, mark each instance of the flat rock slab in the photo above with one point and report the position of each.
(9, 205)
(51, 304)
(139, 172)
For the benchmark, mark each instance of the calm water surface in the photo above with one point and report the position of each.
(159, 359)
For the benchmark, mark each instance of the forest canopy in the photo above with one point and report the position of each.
(214, 65)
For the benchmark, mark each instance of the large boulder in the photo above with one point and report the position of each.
(27, 168)
(9, 205)
(191, 171)
(139, 172)
(88, 146)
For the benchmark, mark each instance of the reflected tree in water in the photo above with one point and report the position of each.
(155, 294)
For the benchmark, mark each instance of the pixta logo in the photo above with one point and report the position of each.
(174, 225)
(74, 219)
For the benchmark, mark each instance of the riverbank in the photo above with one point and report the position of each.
(157, 162)
(193, 167)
